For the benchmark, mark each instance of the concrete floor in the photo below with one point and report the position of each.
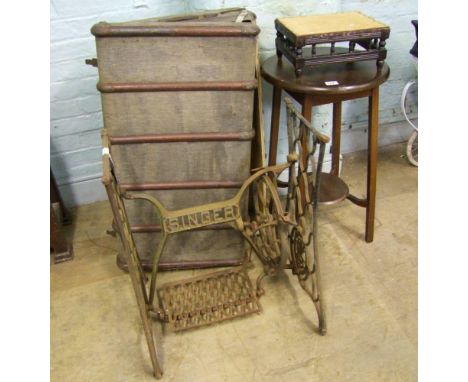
(370, 292)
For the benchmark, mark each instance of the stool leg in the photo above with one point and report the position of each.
(274, 130)
(336, 143)
(373, 130)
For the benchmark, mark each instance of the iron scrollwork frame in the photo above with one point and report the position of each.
(283, 235)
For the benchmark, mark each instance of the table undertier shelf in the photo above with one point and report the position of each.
(332, 189)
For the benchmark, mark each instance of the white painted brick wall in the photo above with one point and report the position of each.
(76, 117)
(75, 106)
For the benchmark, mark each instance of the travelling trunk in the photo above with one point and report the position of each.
(181, 104)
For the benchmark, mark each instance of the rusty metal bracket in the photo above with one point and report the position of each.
(92, 62)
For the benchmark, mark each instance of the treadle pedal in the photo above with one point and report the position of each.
(207, 299)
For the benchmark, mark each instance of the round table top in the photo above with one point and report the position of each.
(351, 77)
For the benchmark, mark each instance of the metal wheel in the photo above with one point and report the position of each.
(412, 145)
(412, 149)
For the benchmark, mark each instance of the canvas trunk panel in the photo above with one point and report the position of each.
(180, 104)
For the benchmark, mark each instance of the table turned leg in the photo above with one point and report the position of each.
(306, 111)
(373, 130)
(307, 114)
(336, 143)
(274, 130)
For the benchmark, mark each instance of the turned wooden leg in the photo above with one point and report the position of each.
(278, 41)
(336, 143)
(373, 130)
(307, 114)
(274, 129)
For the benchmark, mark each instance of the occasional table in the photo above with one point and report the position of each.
(325, 84)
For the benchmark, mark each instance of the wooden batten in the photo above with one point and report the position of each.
(171, 29)
(177, 86)
(185, 185)
(182, 137)
(148, 228)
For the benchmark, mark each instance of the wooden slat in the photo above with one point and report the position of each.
(172, 29)
(149, 228)
(182, 137)
(177, 86)
(187, 185)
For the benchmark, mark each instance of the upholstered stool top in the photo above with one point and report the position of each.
(330, 23)
(297, 39)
